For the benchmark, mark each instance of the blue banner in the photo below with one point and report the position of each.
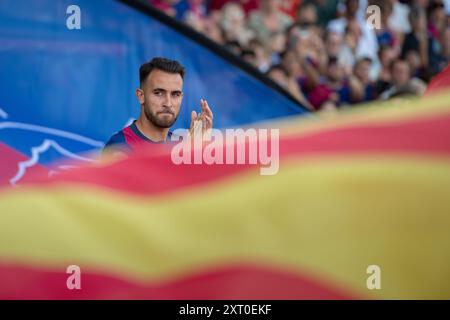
(66, 91)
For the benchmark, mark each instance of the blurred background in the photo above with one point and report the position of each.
(323, 51)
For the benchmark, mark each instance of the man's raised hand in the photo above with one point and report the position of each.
(201, 124)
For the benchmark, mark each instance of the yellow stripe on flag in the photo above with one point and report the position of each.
(330, 217)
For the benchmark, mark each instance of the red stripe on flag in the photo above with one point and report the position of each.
(147, 174)
(440, 82)
(232, 282)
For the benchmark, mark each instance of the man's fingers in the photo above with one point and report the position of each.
(205, 116)
(202, 118)
(207, 129)
(202, 104)
(205, 108)
(208, 121)
(193, 118)
(198, 127)
(208, 110)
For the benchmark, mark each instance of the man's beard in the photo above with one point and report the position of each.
(157, 121)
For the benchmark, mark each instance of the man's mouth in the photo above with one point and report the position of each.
(166, 112)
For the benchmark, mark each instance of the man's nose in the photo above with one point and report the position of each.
(167, 100)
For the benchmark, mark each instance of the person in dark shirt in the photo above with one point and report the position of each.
(361, 70)
(416, 44)
(160, 95)
(338, 87)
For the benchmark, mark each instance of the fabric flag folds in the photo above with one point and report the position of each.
(361, 190)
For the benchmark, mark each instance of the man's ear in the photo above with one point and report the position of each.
(140, 95)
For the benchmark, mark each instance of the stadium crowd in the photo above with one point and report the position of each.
(324, 52)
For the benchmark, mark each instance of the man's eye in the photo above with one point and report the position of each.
(158, 93)
(176, 94)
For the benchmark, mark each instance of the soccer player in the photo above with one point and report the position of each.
(160, 95)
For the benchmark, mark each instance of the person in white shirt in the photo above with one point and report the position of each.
(367, 45)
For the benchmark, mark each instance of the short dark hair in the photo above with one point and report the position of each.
(415, 13)
(247, 52)
(363, 59)
(163, 64)
(278, 67)
(333, 60)
(396, 61)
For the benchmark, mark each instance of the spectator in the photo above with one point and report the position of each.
(247, 5)
(336, 87)
(344, 84)
(234, 25)
(336, 47)
(367, 45)
(249, 56)
(278, 74)
(437, 23)
(290, 62)
(399, 19)
(352, 37)
(417, 39)
(165, 6)
(213, 31)
(277, 46)
(262, 55)
(325, 9)
(290, 7)
(268, 20)
(234, 47)
(361, 71)
(310, 46)
(417, 70)
(195, 16)
(446, 49)
(385, 36)
(402, 81)
(307, 15)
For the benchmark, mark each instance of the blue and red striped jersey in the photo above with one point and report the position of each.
(127, 139)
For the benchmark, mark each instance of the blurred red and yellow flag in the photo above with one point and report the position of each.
(358, 189)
